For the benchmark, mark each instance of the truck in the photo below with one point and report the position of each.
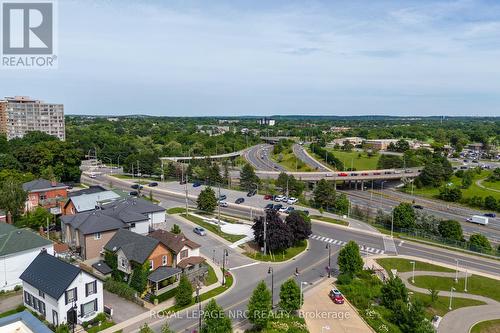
(483, 220)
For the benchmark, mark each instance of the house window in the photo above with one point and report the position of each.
(97, 235)
(89, 308)
(132, 225)
(164, 260)
(91, 288)
(70, 295)
(27, 298)
(43, 196)
(151, 265)
(184, 254)
(55, 318)
(41, 294)
(123, 262)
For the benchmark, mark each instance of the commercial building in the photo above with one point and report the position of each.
(20, 115)
(380, 144)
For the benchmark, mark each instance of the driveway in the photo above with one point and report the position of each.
(10, 302)
(122, 309)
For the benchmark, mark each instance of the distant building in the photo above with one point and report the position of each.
(339, 129)
(267, 122)
(380, 144)
(47, 194)
(212, 130)
(20, 115)
(354, 140)
(477, 146)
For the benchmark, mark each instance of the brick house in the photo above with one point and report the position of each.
(47, 194)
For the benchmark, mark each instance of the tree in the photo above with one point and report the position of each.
(434, 293)
(349, 259)
(139, 277)
(13, 197)
(207, 200)
(62, 328)
(290, 296)
(402, 145)
(214, 319)
(278, 234)
(184, 293)
(389, 162)
(300, 226)
(175, 229)
(491, 203)
(479, 242)
(341, 204)
(145, 329)
(324, 194)
(392, 291)
(450, 193)
(451, 229)
(467, 179)
(166, 329)
(35, 219)
(248, 178)
(260, 305)
(404, 216)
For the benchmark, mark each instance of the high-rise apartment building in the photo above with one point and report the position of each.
(20, 115)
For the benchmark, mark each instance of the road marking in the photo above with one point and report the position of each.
(389, 245)
(401, 243)
(243, 266)
(340, 243)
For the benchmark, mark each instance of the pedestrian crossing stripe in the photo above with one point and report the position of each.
(362, 248)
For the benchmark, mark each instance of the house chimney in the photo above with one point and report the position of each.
(53, 183)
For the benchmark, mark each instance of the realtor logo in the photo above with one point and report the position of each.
(28, 34)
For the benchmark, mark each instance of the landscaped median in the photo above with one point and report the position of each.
(329, 220)
(252, 251)
(213, 228)
(490, 326)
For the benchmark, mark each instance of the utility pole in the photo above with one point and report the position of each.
(186, 191)
(218, 210)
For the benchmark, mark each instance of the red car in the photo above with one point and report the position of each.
(336, 296)
(343, 174)
(365, 174)
(376, 173)
(268, 197)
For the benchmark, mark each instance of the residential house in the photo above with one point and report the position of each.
(132, 249)
(45, 193)
(87, 202)
(22, 322)
(88, 232)
(61, 292)
(18, 248)
(88, 190)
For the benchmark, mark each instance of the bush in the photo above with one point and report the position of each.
(344, 279)
(18, 287)
(184, 293)
(120, 288)
(449, 193)
(479, 242)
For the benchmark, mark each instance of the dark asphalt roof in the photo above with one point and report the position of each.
(33, 323)
(90, 190)
(135, 247)
(13, 240)
(94, 221)
(50, 274)
(162, 273)
(102, 267)
(41, 184)
(136, 205)
(175, 242)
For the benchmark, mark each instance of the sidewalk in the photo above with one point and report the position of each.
(320, 312)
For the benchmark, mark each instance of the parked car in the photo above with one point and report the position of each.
(277, 207)
(283, 209)
(251, 193)
(336, 296)
(134, 193)
(269, 206)
(200, 231)
(197, 184)
(223, 203)
(134, 186)
(239, 201)
(418, 207)
(292, 200)
(289, 210)
(279, 198)
(153, 184)
(268, 197)
(490, 215)
(222, 197)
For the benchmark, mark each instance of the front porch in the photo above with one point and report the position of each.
(163, 279)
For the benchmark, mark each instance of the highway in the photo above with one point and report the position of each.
(258, 157)
(311, 264)
(304, 156)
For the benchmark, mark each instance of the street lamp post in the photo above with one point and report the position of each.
(466, 273)
(451, 297)
(225, 254)
(198, 287)
(302, 283)
(456, 271)
(329, 247)
(271, 271)
(392, 223)
(413, 272)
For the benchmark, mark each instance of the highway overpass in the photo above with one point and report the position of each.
(212, 157)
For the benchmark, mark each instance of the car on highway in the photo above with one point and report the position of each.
(376, 173)
(336, 296)
(493, 215)
(200, 231)
(134, 193)
(354, 174)
(222, 197)
(268, 197)
(343, 174)
(153, 184)
(365, 174)
(388, 173)
(279, 198)
(197, 184)
(408, 171)
(418, 207)
(222, 203)
(93, 175)
(269, 207)
(251, 193)
(135, 186)
(239, 201)
(292, 200)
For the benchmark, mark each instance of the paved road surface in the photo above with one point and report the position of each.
(258, 157)
(304, 156)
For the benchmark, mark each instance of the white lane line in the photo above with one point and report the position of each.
(243, 266)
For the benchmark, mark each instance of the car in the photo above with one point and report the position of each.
(251, 193)
(343, 174)
(408, 171)
(365, 174)
(277, 207)
(200, 231)
(283, 209)
(222, 203)
(475, 161)
(222, 197)
(285, 198)
(336, 296)
(289, 210)
(134, 193)
(268, 197)
(140, 187)
(418, 207)
(354, 174)
(239, 201)
(197, 184)
(376, 173)
(135, 186)
(292, 200)
(388, 173)
(153, 184)
(279, 198)
(269, 206)
(490, 215)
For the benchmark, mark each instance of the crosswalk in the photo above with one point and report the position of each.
(363, 249)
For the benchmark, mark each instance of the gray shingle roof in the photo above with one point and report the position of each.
(92, 222)
(162, 273)
(102, 267)
(135, 247)
(13, 240)
(41, 184)
(50, 274)
(136, 205)
(90, 190)
(175, 242)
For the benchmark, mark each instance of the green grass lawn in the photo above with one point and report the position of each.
(176, 210)
(473, 190)
(441, 306)
(10, 312)
(352, 159)
(329, 219)
(102, 327)
(291, 162)
(477, 285)
(213, 228)
(403, 265)
(491, 185)
(211, 276)
(490, 326)
(278, 257)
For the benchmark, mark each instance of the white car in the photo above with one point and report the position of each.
(223, 203)
(279, 198)
(292, 200)
(283, 209)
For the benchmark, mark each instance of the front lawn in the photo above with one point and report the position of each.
(213, 228)
(102, 327)
(252, 251)
(403, 265)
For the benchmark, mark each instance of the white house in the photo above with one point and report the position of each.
(18, 248)
(61, 292)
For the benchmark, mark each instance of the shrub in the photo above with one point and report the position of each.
(18, 287)
(120, 288)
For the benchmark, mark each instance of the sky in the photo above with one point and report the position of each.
(271, 57)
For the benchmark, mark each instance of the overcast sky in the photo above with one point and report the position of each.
(269, 57)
